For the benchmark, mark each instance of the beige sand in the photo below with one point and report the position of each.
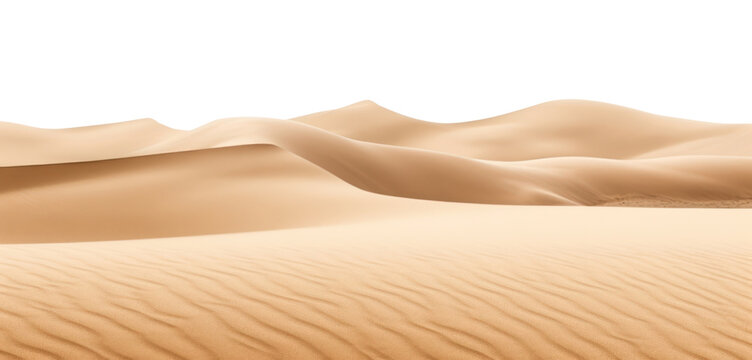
(362, 233)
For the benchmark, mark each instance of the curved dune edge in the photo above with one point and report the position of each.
(471, 283)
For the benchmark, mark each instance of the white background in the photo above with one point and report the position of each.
(71, 63)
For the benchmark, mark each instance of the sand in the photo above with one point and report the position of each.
(362, 233)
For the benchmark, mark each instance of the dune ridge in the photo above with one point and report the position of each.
(361, 233)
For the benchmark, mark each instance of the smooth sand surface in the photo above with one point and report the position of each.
(362, 233)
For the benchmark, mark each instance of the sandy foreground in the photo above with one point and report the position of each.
(362, 233)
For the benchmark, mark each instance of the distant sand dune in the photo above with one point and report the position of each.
(360, 233)
(552, 129)
(559, 128)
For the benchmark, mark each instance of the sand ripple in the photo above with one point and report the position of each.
(342, 293)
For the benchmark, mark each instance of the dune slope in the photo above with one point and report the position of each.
(234, 189)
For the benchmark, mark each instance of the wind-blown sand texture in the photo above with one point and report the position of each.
(362, 233)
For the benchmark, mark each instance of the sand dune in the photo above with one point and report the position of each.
(362, 233)
(233, 189)
(708, 179)
(557, 128)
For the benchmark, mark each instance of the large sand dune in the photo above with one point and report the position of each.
(362, 233)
